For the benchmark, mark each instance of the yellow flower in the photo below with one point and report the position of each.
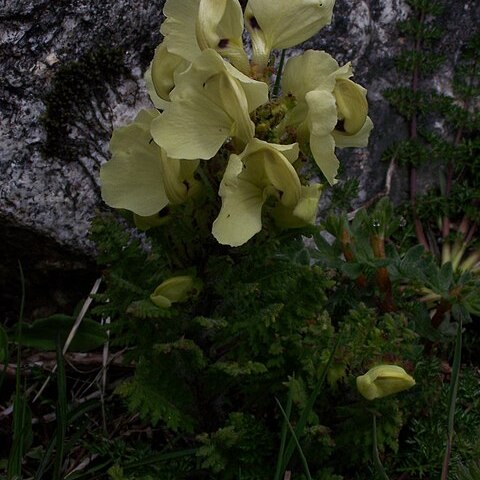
(211, 102)
(140, 177)
(176, 290)
(384, 380)
(331, 109)
(190, 27)
(284, 23)
(220, 26)
(262, 170)
(178, 28)
(163, 68)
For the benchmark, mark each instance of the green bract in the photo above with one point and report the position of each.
(175, 290)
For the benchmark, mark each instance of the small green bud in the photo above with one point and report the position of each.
(175, 289)
(384, 380)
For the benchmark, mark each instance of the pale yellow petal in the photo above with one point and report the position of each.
(156, 100)
(310, 71)
(178, 178)
(284, 23)
(303, 213)
(240, 217)
(255, 91)
(208, 105)
(323, 151)
(163, 68)
(282, 176)
(192, 127)
(270, 165)
(219, 26)
(352, 105)
(179, 28)
(359, 139)
(322, 112)
(384, 380)
(132, 179)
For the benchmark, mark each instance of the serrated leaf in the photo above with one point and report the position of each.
(183, 345)
(445, 277)
(211, 323)
(145, 309)
(235, 369)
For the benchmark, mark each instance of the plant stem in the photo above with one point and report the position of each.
(278, 79)
(346, 243)
(383, 279)
(442, 309)
(419, 230)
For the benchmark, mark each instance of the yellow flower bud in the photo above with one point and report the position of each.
(384, 380)
(175, 289)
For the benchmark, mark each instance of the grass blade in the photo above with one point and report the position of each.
(14, 468)
(452, 395)
(283, 437)
(74, 414)
(376, 457)
(297, 443)
(4, 354)
(161, 457)
(62, 411)
(302, 421)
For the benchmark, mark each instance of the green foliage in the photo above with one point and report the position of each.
(290, 318)
(424, 455)
(242, 445)
(344, 194)
(267, 318)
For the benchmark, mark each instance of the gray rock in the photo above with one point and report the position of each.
(50, 175)
(53, 139)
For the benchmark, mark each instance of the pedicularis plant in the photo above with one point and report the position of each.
(246, 339)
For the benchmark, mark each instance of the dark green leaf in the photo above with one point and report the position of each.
(42, 333)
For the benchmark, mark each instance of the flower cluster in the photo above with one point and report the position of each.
(208, 92)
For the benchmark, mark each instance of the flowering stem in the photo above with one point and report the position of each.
(276, 87)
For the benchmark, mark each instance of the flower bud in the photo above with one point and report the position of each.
(175, 289)
(384, 380)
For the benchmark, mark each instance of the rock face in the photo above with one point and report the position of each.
(71, 70)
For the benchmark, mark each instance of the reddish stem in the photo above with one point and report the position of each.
(346, 243)
(419, 230)
(381, 275)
